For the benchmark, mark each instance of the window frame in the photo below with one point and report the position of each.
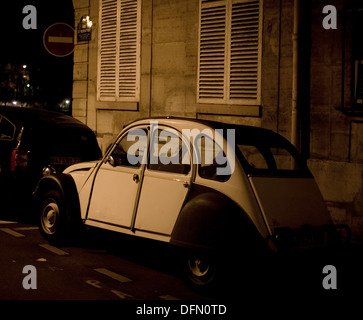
(109, 156)
(12, 124)
(149, 165)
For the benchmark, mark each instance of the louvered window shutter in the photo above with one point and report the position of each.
(212, 50)
(107, 59)
(229, 52)
(119, 58)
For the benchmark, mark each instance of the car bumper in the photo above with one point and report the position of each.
(309, 238)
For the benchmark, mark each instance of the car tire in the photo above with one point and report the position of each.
(55, 222)
(200, 270)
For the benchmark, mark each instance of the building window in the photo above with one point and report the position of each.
(119, 50)
(230, 51)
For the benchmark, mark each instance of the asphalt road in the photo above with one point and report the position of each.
(92, 270)
(106, 266)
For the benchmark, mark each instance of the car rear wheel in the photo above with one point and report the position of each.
(54, 222)
(201, 270)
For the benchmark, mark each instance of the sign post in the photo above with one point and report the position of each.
(58, 39)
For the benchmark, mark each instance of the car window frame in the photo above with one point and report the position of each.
(273, 171)
(14, 129)
(183, 140)
(215, 177)
(113, 146)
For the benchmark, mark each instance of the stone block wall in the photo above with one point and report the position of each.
(168, 86)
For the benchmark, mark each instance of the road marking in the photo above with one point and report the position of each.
(12, 232)
(94, 283)
(6, 222)
(168, 297)
(26, 228)
(55, 250)
(113, 275)
(121, 294)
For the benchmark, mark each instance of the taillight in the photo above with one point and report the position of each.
(19, 160)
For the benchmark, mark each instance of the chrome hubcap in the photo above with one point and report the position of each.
(199, 267)
(50, 217)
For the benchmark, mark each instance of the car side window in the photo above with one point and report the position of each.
(254, 156)
(168, 152)
(209, 152)
(7, 129)
(130, 150)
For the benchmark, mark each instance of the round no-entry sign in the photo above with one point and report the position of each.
(58, 39)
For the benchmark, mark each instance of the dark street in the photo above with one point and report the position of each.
(107, 266)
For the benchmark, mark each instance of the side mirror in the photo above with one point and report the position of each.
(111, 161)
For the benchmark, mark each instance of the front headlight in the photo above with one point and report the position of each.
(48, 170)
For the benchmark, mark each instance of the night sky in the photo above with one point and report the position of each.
(20, 46)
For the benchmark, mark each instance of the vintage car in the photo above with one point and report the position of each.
(207, 187)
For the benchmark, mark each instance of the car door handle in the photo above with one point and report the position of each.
(136, 178)
(184, 182)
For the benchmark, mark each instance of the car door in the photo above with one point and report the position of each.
(118, 181)
(166, 182)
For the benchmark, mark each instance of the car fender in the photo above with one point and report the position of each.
(212, 221)
(65, 184)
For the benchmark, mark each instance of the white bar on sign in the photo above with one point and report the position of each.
(60, 39)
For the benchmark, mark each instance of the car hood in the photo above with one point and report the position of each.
(82, 166)
(80, 172)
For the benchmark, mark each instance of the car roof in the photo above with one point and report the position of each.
(33, 116)
(245, 132)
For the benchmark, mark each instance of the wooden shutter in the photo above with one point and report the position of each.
(119, 61)
(212, 50)
(107, 59)
(244, 50)
(128, 54)
(229, 53)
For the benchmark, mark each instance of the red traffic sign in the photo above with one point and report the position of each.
(58, 39)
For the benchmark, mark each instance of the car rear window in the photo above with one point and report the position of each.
(270, 155)
(64, 144)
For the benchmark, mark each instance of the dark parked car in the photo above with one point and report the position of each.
(33, 139)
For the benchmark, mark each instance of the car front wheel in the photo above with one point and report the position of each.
(54, 217)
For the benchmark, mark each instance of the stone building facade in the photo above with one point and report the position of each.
(251, 62)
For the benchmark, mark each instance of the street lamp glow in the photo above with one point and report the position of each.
(89, 23)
